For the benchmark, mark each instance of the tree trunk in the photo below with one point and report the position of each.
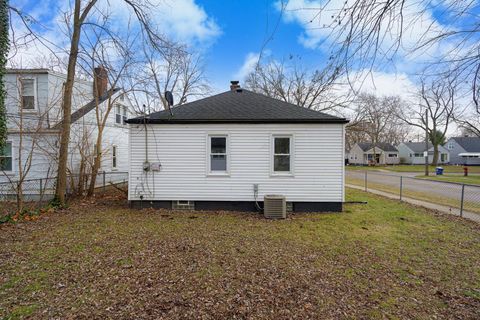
(96, 163)
(435, 155)
(67, 108)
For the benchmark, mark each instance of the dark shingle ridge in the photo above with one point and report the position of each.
(470, 144)
(418, 146)
(88, 107)
(381, 145)
(240, 106)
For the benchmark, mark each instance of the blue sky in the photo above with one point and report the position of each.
(230, 34)
(246, 26)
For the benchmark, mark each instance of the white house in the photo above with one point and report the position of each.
(365, 153)
(413, 153)
(464, 150)
(34, 117)
(229, 150)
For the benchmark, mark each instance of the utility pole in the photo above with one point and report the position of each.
(425, 154)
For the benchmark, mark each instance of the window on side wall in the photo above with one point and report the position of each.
(114, 157)
(6, 158)
(392, 155)
(282, 146)
(27, 94)
(120, 114)
(218, 154)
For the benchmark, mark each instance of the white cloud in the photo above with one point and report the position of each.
(186, 20)
(380, 84)
(320, 27)
(182, 20)
(249, 64)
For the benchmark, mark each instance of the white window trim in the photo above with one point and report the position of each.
(290, 173)
(20, 98)
(210, 173)
(122, 108)
(11, 172)
(115, 168)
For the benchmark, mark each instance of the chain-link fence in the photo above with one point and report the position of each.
(461, 198)
(40, 190)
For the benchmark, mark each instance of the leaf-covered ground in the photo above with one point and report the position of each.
(102, 260)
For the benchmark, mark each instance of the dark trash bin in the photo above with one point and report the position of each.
(439, 171)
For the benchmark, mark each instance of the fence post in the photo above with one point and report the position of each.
(41, 186)
(462, 197)
(401, 187)
(366, 180)
(103, 181)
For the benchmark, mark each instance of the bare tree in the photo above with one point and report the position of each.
(29, 129)
(176, 70)
(79, 19)
(290, 83)
(435, 111)
(375, 119)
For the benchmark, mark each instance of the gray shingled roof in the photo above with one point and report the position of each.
(417, 146)
(89, 107)
(470, 144)
(384, 146)
(239, 106)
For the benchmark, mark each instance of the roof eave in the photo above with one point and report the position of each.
(246, 121)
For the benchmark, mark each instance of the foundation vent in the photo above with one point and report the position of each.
(183, 205)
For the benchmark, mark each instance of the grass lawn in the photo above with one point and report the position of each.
(469, 204)
(471, 179)
(416, 168)
(102, 260)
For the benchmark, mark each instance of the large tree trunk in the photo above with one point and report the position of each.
(96, 163)
(435, 155)
(67, 108)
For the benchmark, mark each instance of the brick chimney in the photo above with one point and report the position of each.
(234, 85)
(100, 81)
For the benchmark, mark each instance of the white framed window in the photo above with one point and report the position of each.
(27, 94)
(218, 158)
(120, 114)
(282, 160)
(114, 157)
(6, 157)
(392, 155)
(450, 145)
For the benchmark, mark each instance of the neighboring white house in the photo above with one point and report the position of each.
(33, 104)
(229, 150)
(365, 153)
(464, 150)
(413, 153)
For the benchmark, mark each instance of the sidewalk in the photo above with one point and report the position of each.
(441, 208)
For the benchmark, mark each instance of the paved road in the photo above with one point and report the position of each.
(442, 190)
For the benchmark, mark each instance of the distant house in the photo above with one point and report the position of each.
(229, 150)
(464, 150)
(34, 118)
(365, 153)
(413, 153)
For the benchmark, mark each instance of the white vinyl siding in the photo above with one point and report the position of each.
(181, 149)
